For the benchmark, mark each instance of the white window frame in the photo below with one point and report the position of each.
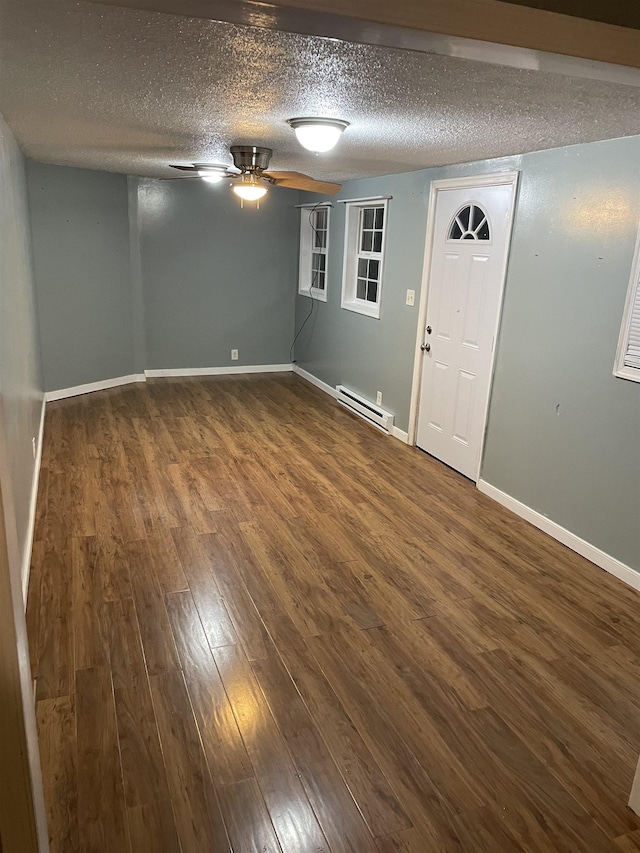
(307, 250)
(630, 328)
(352, 254)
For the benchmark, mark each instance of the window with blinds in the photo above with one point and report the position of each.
(632, 355)
(628, 356)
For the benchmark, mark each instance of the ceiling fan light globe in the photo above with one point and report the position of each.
(318, 135)
(249, 192)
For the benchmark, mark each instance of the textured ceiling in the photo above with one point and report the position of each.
(111, 88)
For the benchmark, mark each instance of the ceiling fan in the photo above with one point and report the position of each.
(252, 181)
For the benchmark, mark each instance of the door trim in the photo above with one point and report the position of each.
(495, 179)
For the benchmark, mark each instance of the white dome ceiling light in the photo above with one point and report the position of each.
(318, 134)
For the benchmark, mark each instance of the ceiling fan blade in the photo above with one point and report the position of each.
(184, 168)
(298, 181)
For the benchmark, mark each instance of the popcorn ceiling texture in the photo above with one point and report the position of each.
(110, 88)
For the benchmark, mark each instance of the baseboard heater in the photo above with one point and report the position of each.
(374, 415)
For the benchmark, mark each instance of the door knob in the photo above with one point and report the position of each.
(425, 347)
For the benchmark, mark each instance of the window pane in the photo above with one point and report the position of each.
(380, 217)
(319, 261)
(320, 281)
(362, 268)
(483, 233)
(464, 217)
(377, 241)
(320, 239)
(469, 237)
(321, 218)
(372, 291)
(374, 267)
(367, 217)
(361, 289)
(456, 233)
(367, 241)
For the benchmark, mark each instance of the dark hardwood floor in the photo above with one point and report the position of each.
(258, 625)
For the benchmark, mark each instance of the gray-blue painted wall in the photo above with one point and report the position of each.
(79, 221)
(20, 375)
(21, 401)
(216, 276)
(369, 355)
(563, 433)
(137, 274)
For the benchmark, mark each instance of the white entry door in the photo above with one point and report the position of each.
(471, 228)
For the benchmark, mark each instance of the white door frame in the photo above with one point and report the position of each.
(634, 798)
(495, 179)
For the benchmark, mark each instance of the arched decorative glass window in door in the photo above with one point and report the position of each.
(470, 223)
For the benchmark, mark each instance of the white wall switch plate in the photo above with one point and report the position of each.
(378, 398)
(234, 355)
(411, 297)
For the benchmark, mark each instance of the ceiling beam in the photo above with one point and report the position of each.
(430, 25)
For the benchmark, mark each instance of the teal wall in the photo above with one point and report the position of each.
(20, 375)
(563, 433)
(135, 274)
(21, 400)
(80, 229)
(369, 355)
(216, 276)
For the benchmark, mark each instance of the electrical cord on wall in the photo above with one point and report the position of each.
(313, 281)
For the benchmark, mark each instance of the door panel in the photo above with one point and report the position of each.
(464, 297)
(446, 299)
(463, 407)
(475, 297)
(436, 420)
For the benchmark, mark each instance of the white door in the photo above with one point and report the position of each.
(471, 232)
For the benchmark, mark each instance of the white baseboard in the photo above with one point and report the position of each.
(580, 546)
(634, 799)
(400, 434)
(219, 371)
(26, 557)
(50, 396)
(313, 380)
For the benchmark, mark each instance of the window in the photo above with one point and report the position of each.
(627, 364)
(470, 223)
(364, 256)
(314, 246)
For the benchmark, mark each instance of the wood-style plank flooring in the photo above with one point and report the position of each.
(258, 625)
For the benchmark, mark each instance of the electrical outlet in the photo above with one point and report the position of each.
(234, 355)
(378, 398)
(411, 297)
(33, 446)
